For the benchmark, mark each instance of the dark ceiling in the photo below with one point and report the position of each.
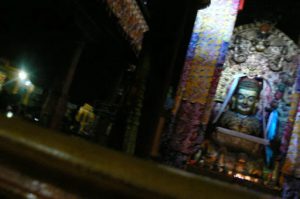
(285, 14)
(42, 36)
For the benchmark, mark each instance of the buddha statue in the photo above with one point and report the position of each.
(238, 120)
(242, 114)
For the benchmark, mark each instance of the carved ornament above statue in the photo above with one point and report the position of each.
(258, 50)
(264, 40)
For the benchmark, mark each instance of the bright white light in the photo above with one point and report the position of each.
(23, 75)
(27, 83)
(9, 114)
(240, 176)
(36, 119)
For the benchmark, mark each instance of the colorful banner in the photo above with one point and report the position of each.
(204, 60)
(131, 19)
(291, 137)
(207, 49)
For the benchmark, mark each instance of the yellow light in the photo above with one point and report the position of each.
(248, 178)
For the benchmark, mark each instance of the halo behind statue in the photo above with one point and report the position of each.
(258, 52)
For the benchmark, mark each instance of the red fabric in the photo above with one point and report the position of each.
(241, 5)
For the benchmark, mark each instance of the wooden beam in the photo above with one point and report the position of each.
(88, 170)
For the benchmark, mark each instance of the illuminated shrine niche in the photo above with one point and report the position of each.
(260, 50)
(252, 105)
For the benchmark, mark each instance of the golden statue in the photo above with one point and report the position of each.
(242, 114)
(238, 130)
(85, 117)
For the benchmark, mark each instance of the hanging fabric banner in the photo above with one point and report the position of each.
(131, 20)
(291, 137)
(207, 48)
(204, 60)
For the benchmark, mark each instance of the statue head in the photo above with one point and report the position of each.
(246, 96)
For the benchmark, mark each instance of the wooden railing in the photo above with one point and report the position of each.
(40, 163)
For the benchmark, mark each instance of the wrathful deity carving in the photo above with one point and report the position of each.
(260, 41)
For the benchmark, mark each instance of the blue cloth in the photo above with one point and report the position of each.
(271, 134)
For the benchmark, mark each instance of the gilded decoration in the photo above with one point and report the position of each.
(255, 108)
(258, 50)
(262, 51)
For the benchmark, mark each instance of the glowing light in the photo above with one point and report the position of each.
(240, 176)
(27, 83)
(31, 196)
(248, 178)
(244, 177)
(9, 114)
(23, 75)
(36, 119)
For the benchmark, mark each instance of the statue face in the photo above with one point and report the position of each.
(246, 101)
